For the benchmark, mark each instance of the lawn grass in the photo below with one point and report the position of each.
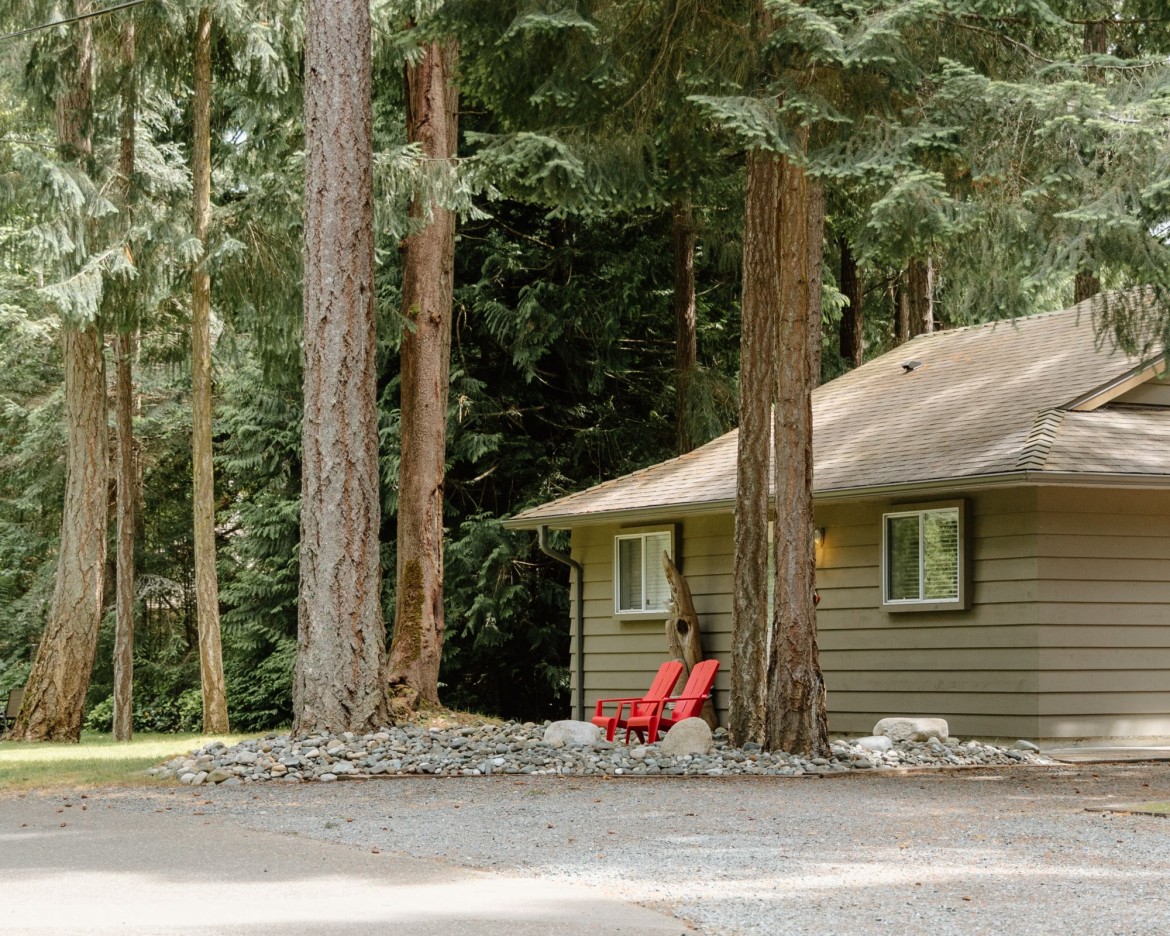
(97, 761)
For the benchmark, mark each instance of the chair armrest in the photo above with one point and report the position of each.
(601, 702)
(688, 698)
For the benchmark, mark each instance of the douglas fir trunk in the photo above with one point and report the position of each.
(427, 292)
(215, 720)
(797, 720)
(920, 294)
(54, 697)
(761, 299)
(340, 640)
(686, 349)
(125, 346)
(852, 319)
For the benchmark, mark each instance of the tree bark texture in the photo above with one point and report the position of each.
(215, 720)
(1095, 42)
(901, 297)
(427, 293)
(341, 638)
(796, 715)
(125, 349)
(920, 296)
(683, 639)
(761, 301)
(74, 105)
(686, 349)
(54, 697)
(852, 320)
(1086, 286)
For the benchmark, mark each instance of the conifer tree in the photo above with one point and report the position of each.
(427, 295)
(125, 346)
(341, 639)
(55, 694)
(215, 718)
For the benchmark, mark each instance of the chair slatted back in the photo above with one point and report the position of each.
(12, 709)
(696, 691)
(668, 674)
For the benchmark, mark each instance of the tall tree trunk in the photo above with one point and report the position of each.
(341, 639)
(852, 320)
(1095, 42)
(901, 297)
(796, 716)
(54, 698)
(920, 293)
(686, 350)
(427, 292)
(761, 301)
(215, 718)
(1086, 286)
(125, 347)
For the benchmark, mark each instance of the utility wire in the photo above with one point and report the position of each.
(72, 19)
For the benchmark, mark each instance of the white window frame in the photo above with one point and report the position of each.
(961, 601)
(638, 533)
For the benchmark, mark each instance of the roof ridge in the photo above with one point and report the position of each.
(992, 323)
(1038, 444)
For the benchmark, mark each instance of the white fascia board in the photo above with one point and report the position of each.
(1123, 383)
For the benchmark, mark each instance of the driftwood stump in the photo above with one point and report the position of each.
(682, 630)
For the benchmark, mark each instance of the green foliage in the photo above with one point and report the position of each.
(184, 713)
(974, 132)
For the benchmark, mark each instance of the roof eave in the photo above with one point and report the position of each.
(916, 489)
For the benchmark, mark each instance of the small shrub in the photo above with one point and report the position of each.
(155, 715)
(100, 717)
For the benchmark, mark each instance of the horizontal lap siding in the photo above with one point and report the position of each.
(621, 656)
(1104, 564)
(975, 668)
(1068, 633)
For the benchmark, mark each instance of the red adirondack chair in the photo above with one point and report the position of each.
(646, 718)
(668, 674)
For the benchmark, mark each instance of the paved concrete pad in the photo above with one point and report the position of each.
(1149, 808)
(87, 868)
(1109, 754)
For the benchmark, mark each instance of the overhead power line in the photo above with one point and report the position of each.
(72, 19)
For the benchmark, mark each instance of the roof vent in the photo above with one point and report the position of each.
(909, 366)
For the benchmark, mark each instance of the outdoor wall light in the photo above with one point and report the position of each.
(819, 536)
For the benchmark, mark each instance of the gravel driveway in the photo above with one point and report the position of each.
(964, 852)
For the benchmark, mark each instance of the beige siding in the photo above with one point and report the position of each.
(1068, 633)
(976, 668)
(621, 656)
(1104, 571)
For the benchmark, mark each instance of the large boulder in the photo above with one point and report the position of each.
(689, 736)
(912, 729)
(571, 734)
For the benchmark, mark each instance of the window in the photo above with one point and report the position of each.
(640, 585)
(922, 559)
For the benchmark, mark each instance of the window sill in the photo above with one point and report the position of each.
(660, 615)
(902, 607)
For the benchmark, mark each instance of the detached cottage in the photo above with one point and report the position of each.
(993, 505)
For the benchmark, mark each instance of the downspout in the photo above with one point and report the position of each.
(566, 559)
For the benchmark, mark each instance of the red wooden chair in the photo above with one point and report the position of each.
(646, 718)
(668, 674)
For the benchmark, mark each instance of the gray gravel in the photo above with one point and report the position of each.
(513, 748)
(994, 850)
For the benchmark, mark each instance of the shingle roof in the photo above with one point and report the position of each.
(987, 400)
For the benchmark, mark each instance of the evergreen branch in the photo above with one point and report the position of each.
(72, 19)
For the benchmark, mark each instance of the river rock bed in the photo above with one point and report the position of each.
(515, 748)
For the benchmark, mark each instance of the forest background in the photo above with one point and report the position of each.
(1011, 157)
